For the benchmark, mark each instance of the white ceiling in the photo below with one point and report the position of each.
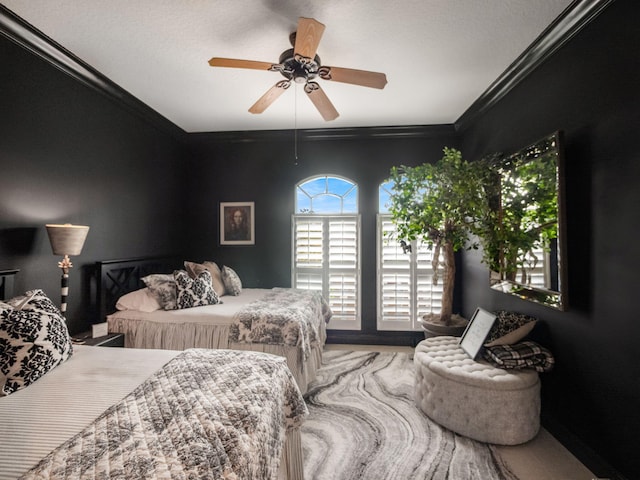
(439, 55)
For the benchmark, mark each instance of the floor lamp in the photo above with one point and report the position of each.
(66, 240)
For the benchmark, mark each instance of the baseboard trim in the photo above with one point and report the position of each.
(589, 458)
(403, 339)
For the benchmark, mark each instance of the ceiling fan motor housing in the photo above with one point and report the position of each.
(297, 68)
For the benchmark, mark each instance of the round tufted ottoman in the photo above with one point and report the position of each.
(473, 398)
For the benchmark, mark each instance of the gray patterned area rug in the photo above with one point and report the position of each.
(364, 424)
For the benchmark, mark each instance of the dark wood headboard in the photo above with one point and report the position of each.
(6, 283)
(118, 277)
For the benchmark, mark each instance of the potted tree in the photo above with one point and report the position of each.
(438, 204)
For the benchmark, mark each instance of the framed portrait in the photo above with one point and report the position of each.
(476, 332)
(237, 223)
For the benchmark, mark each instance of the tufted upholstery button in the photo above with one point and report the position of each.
(474, 398)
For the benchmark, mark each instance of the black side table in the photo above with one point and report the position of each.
(110, 340)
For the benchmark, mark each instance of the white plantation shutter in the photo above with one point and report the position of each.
(428, 295)
(308, 263)
(327, 259)
(405, 282)
(394, 285)
(309, 238)
(536, 269)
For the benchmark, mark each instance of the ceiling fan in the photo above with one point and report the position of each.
(300, 64)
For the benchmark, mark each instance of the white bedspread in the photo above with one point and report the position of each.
(62, 403)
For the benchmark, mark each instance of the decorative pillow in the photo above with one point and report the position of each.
(162, 286)
(509, 328)
(195, 269)
(194, 292)
(3, 377)
(141, 300)
(20, 301)
(33, 340)
(232, 283)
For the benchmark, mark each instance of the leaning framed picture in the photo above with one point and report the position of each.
(476, 332)
(237, 223)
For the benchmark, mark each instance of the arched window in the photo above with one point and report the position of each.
(326, 194)
(326, 239)
(405, 275)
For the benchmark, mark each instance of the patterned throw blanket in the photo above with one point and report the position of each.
(525, 354)
(284, 316)
(207, 414)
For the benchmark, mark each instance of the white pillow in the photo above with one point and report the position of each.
(140, 300)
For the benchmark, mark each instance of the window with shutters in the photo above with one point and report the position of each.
(406, 290)
(535, 270)
(326, 253)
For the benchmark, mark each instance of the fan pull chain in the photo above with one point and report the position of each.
(295, 125)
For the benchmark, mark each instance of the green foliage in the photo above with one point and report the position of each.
(437, 203)
(526, 216)
(509, 205)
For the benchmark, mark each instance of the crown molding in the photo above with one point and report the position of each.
(321, 134)
(573, 19)
(27, 36)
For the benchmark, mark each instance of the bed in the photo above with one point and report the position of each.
(287, 322)
(96, 412)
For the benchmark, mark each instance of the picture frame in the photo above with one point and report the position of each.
(476, 332)
(237, 223)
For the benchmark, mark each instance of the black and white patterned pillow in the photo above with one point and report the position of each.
(194, 292)
(33, 340)
(193, 269)
(509, 328)
(232, 283)
(163, 287)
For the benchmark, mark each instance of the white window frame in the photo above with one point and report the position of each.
(424, 297)
(348, 318)
(340, 321)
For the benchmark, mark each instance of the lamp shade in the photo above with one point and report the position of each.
(67, 239)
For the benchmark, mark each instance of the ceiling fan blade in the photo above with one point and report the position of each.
(234, 63)
(321, 101)
(268, 98)
(308, 37)
(355, 77)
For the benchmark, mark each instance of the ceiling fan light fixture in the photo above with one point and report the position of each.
(300, 77)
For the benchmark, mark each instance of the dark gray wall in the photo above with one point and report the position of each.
(71, 155)
(260, 167)
(588, 89)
